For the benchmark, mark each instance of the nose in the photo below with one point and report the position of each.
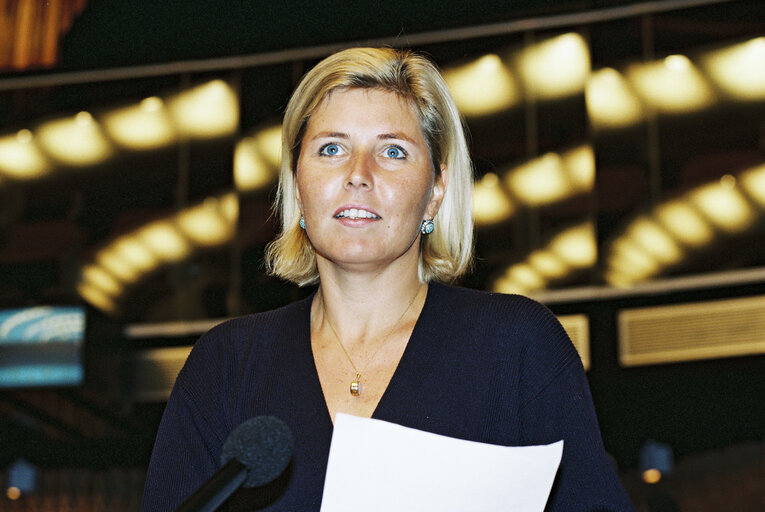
(360, 172)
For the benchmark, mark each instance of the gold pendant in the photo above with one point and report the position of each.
(356, 385)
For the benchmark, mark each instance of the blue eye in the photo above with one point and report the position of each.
(395, 152)
(330, 149)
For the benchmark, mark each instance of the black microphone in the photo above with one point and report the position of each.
(255, 453)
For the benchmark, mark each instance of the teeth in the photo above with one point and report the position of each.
(355, 213)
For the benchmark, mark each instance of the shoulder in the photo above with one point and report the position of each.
(222, 349)
(501, 310)
(519, 326)
(240, 332)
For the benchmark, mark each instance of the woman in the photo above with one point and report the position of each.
(374, 197)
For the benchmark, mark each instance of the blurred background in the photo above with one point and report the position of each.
(620, 179)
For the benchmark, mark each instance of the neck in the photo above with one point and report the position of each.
(363, 307)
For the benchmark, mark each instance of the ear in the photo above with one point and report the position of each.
(297, 194)
(437, 195)
(295, 184)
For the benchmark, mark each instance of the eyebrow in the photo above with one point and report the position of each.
(345, 136)
(331, 135)
(399, 136)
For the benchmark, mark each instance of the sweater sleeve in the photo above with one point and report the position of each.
(190, 433)
(558, 405)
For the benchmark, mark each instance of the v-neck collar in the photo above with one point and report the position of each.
(392, 393)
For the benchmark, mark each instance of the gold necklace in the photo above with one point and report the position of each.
(356, 383)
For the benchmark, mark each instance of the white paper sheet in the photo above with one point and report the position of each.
(376, 466)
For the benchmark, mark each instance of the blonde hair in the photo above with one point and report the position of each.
(447, 252)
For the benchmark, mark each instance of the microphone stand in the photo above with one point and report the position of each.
(217, 489)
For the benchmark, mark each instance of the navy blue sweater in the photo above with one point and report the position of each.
(485, 367)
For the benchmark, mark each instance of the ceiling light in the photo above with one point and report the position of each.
(508, 286)
(671, 85)
(482, 87)
(251, 170)
(76, 140)
(20, 158)
(228, 205)
(556, 68)
(630, 262)
(540, 181)
(655, 241)
(96, 297)
(269, 144)
(164, 240)
(576, 246)
(725, 207)
(522, 276)
(132, 250)
(141, 127)
(618, 279)
(547, 264)
(207, 224)
(206, 111)
(611, 103)
(739, 70)
(490, 203)
(152, 104)
(580, 166)
(753, 182)
(99, 278)
(114, 263)
(684, 223)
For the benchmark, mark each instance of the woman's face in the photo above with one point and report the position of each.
(365, 180)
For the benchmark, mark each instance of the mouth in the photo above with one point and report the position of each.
(356, 213)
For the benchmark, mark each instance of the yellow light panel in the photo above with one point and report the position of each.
(482, 87)
(671, 85)
(655, 241)
(251, 171)
(20, 158)
(580, 166)
(540, 181)
(490, 203)
(228, 205)
(96, 297)
(269, 144)
(207, 111)
(576, 246)
(557, 67)
(611, 102)
(548, 264)
(206, 224)
(164, 240)
(131, 249)
(116, 265)
(506, 285)
(141, 127)
(525, 277)
(99, 278)
(753, 182)
(631, 262)
(617, 279)
(725, 207)
(76, 140)
(685, 224)
(739, 70)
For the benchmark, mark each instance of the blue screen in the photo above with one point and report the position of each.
(41, 346)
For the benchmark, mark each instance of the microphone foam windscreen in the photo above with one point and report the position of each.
(263, 444)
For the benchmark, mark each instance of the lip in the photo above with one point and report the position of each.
(358, 207)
